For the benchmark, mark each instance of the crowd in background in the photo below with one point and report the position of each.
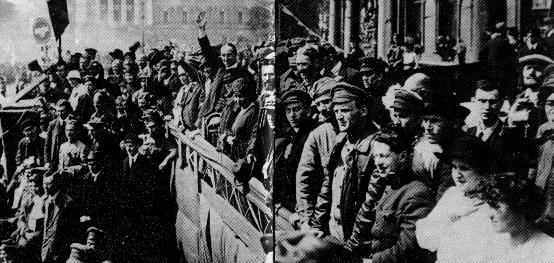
(94, 165)
(379, 169)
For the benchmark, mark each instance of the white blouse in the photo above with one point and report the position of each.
(461, 239)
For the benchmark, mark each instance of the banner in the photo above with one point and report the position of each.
(42, 32)
(58, 16)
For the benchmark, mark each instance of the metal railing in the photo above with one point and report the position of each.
(246, 214)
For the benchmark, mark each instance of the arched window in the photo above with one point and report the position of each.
(239, 19)
(166, 16)
(221, 17)
(184, 17)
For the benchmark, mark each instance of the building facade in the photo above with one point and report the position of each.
(109, 24)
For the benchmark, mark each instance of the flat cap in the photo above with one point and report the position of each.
(90, 52)
(295, 95)
(535, 59)
(343, 92)
(322, 88)
(368, 64)
(62, 103)
(95, 123)
(74, 74)
(407, 100)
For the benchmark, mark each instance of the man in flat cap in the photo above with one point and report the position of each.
(334, 68)
(288, 151)
(548, 30)
(372, 71)
(315, 155)
(61, 220)
(31, 144)
(96, 191)
(405, 112)
(532, 73)
(350, 164)
(87, 58)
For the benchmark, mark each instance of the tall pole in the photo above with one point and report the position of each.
(60, 49)
(347, 25)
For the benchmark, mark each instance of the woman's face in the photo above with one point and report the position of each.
(549, 108)
(465, 177)
(503, 219)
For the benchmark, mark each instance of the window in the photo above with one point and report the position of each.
(142, 11)
(117, 10)
(103, 9)
(130, 10)
(221, 17)
(239, 20)
(166, 15)
(90, 10)
(184, 17)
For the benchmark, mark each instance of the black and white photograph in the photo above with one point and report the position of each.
(276, 131)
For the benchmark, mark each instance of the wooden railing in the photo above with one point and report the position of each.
(247, 215)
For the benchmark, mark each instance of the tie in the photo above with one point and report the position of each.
(49, 209)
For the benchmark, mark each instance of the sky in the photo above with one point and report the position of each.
(18, 42)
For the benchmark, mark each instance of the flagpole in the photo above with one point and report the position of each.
(60, 49)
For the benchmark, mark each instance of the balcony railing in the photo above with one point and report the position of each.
(247, 215)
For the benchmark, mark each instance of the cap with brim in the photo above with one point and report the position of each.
(95, 123)
(343, 92)
(96, 230)
(294, 96)
(93, 156)
(132, 138)
(322, 88)
(369, 64)
(535, 59)
(471, 150)
(407, 100)
(62, 103)
(74, 74)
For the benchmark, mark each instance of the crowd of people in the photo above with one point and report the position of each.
(372, 168)
(93, 175)
(377, 169)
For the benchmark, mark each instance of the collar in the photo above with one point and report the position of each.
(236, 65)
(95, 175)
(362, 146)
(481, 126)
(336, 69)
(550, 33)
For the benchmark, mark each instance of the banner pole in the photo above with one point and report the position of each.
(60, 49)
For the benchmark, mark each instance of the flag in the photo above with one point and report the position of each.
(58, 16)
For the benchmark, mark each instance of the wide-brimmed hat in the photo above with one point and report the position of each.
(471, 150)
